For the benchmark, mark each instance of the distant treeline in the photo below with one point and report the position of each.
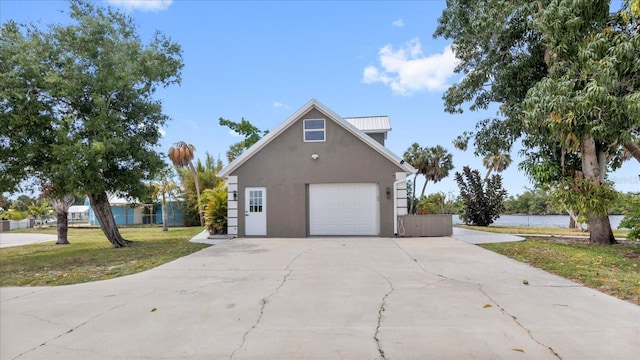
(537, 202)
(531, 202)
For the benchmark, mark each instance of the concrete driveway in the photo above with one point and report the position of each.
(334, 298)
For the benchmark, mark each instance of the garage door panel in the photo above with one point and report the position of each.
(343, 209)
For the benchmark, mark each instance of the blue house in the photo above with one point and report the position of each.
(131, 212)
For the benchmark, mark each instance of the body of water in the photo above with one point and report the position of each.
(540, 220)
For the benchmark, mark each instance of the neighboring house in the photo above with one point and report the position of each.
(174, 214)
(78, 214)
(131, 212)
(318, 174)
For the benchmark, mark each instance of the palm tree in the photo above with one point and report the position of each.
(61, 205)
(164, 190)
(496, 162)
(416, 157)
(39, 212)
(438, 163)
(181, 155)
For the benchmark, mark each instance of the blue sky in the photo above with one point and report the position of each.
(262, 60)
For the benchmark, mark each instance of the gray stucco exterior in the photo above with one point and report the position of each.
(284, 165)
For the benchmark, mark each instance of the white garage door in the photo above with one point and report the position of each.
(343, 209)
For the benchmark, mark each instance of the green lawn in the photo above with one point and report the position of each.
(538, 230)
(611, 269)
(91, 257)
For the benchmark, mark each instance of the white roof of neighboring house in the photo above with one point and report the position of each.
(117, 200)
(370, 123)
(78, 208)
(376, 146)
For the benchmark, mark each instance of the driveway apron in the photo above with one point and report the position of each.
(329, 298)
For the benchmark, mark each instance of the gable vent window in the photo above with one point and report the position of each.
(314, 130)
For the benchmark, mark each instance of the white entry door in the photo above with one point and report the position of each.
(255, 211)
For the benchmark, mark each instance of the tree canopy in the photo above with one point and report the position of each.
(434, 163)
(77, 105)
(243, 128)
(565, 74)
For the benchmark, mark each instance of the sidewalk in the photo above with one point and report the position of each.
(205, 238)
(482, 237)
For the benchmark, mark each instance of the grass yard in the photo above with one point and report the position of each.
(612, 269)
(538, 230)
(91, 257)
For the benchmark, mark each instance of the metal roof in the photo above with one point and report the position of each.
(78, 208)
(370, 123)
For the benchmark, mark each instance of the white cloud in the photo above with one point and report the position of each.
(278, 104)
(162, 132)
(398, 23)
(142, 5)
(234, 134)
(407, 70)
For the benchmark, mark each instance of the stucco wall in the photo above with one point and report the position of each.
(379, 137)
(285, 168)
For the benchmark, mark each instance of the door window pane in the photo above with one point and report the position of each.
(255, 201)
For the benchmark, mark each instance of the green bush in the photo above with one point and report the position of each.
(214, 203)
(482, 200)
(14, 215)
(631, 220)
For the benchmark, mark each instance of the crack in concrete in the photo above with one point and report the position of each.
(380, 311)
(41, 319)
(515, 320)
(70, 330)
(418, 263)
(262, 307)
(23, 295)
(296, 258)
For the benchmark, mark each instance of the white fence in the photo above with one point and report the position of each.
(21, 224)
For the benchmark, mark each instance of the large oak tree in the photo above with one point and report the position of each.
(565, 75)
(77, 100)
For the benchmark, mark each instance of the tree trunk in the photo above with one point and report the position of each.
(486, 177)
(197, 183)
(62, 227)
(599, 226)
(600, 230)
(413, 195)
(634, 149)
(423, 188)
(573, 224)
(102, 208)
(62, 205)
(573, 220)
(164, 214)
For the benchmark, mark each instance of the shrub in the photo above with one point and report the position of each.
(482, 200)
(631, 220)
(214, 203)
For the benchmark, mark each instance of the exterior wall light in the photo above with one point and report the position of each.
(235, 195)
(388, 193)
(314, 156)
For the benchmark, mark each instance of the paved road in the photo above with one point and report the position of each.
(8, 239)
(337, 298)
